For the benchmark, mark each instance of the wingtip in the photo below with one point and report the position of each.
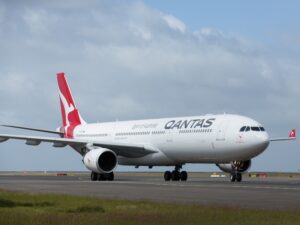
(292, 133)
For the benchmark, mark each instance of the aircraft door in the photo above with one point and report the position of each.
(169, 136)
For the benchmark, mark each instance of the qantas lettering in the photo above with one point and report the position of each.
(196, 123)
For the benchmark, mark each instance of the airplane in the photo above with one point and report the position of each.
(227, 140)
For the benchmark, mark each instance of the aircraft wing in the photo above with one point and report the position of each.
(34, 129)
(292, 136)
(122, 149)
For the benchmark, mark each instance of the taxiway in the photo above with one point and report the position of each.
(255, 193)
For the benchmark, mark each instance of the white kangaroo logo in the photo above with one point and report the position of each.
(68, 109)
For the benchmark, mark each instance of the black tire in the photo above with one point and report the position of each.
(110, 176)
(167, 176)
(100, 177)
(232, 177)
(183, 175)
(175, 175)
(94, 176)
(238, 177)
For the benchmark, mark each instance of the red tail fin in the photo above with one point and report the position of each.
(70, 115)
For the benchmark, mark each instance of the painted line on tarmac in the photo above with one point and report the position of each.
(170, 184)
(199, 185)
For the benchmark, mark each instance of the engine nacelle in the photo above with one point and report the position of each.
(238, 166)
(100, 160)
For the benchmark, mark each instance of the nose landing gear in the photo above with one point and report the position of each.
(176, 175)
(236, 175)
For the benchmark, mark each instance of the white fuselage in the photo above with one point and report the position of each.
(200, 139)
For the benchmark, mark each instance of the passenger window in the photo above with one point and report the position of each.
(247, 129)
(242, 129)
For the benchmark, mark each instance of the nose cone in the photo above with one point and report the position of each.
(263, 138)
(261, 142)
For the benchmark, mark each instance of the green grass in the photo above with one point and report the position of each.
(25, 208)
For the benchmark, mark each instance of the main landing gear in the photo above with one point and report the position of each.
(235, 176)
(176, 175)
(102, 176)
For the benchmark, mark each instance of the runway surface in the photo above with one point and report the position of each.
(255, 193)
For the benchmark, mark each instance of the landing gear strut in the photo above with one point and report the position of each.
(235, 176)
(102, 176)
(176, 175)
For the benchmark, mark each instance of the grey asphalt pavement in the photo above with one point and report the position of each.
(255, 193)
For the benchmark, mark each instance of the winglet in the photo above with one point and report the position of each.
(292, 134)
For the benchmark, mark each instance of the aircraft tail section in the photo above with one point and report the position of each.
(70, 115)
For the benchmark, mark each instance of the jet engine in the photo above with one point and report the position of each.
(100, 160)
(235, 166)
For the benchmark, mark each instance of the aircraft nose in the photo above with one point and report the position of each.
(264, 137)
(263, 140)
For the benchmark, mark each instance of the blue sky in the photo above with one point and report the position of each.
(130, 59)
(265, 21)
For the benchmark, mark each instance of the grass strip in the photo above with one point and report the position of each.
(34, 209)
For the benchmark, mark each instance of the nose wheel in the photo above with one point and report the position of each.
(176, 174)
(236, 174)
(236, 177)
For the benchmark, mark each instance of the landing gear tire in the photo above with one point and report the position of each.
(238, 177)
(183, 175)
(110, 176)
(232, 177)
(102, 176)
(106, 176)
(175, 175)
(94, 176)
(167, 176)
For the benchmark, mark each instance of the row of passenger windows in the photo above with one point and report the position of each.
(132, 133)
(158, 132)
(196, 131)
(145, 133)
(92, 135)
(248, 128)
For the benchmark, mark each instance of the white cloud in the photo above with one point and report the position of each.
(38, 20)
(140, 31)
(15, 84)
(174, 23)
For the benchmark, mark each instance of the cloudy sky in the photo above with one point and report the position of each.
(145, 59)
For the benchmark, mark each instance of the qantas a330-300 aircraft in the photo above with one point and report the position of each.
(229, 141)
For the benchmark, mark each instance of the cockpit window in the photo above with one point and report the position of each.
(248, 128)
(262, 129)
(242, 129)
(255, 129)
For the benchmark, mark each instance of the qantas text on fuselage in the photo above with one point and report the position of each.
(189, 124)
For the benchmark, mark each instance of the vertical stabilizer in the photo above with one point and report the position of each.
(70, 115)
